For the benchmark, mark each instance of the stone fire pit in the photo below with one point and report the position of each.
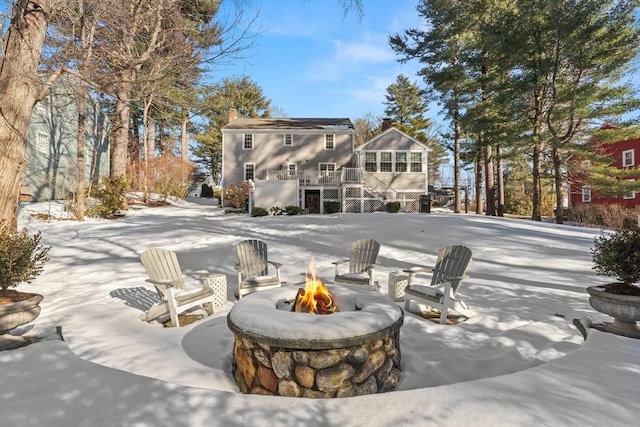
(352, 352)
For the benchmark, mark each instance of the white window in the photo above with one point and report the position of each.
(586, 194)
(42, 142)
(631, 194)
(249, 171)
(326, 168)
(292, 168)
(627, 158)
(329, 142)
(371, 161)
(401, 162)
(248, 142)
(386, 165)
(288, 139)
(416, 162)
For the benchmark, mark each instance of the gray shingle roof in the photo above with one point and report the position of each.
(290, 123)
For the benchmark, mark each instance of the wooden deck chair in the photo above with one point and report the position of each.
(362, 262)
(253, 268)
(166, 275)
(442, 294)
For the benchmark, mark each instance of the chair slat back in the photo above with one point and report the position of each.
(364, 252)
(452, 262)
(252, 258)
(162, 264)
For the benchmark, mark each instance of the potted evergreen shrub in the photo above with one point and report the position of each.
(618, 255)
(22, 258)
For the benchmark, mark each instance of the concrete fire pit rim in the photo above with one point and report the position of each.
(256, 318)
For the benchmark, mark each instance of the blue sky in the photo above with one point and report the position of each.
(312, 61)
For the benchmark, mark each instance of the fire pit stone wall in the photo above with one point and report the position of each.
(358, 359)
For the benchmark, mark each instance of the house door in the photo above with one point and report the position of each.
(312, 201)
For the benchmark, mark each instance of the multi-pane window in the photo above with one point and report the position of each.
(370, 161)
(416, 162)
(329, 142)
(628, 158)
(248, 142)
(401, 162)
(326, 168)
(42, 142)
(586, 194)
(249, 171)
(630, 194)
(386, 165)
(292, 168)
(288, 139)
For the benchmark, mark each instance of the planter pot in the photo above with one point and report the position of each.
(625, 310)
(18, 313)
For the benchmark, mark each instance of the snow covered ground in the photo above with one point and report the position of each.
(520, 361)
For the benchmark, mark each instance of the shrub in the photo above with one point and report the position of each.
(393, 207)
(618, 255)
(277, 210)
(217, 193)
(331, 207)
(293, 210)
(258, 211)
(22, 257)
(237, 196)
(169, 175)
(206, 190)
(111, 194)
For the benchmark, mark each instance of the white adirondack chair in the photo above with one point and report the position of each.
(253, 268)
(442, 293)
(164, 272)
(362, 263)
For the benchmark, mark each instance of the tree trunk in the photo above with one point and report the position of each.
(80, 184)
(119, 159)
(500, 180)
(557, 172)
(20, 89)
(478, 173)
(536, 193)
(489, 181)
(184, 138)
(456, 161)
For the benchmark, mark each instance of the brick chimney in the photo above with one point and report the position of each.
(386, 123)
(233, 114)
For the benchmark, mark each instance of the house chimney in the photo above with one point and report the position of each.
(233, 114)
(386, 123)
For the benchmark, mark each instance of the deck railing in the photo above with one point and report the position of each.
(343, 176)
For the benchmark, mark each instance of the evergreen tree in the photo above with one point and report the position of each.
(240, 93)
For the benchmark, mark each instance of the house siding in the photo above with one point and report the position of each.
(615, 151)
(51, 153)
(269, 152)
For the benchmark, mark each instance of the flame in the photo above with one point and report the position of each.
(316, 297)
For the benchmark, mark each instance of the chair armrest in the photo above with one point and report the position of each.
(275, 264)
(203, 273)
(340, 261)
(417, 269)
(163, 282)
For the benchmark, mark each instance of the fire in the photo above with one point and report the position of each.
(315, 298)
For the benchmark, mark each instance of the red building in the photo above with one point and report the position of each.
(626, 155)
